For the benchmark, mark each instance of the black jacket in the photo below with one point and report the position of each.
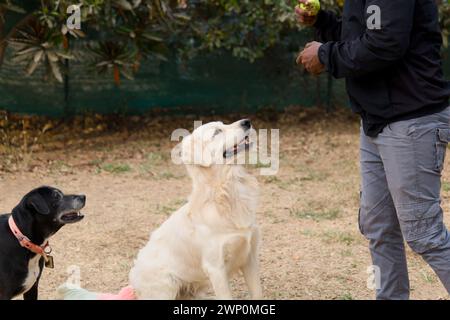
(393, 73)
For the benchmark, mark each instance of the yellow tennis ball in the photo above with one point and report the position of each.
(312, 7)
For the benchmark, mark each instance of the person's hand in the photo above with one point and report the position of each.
(303, 17)
(309, 58)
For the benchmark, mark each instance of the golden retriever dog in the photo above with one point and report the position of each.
(214, 236)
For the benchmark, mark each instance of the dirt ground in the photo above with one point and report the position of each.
(311, 247)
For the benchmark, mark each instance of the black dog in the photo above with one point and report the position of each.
(24, 238)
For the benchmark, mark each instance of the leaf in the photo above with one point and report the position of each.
(77, 33)
(31, 67)
(159, 56)
(47, 127)
(52, 57)
(64, 29)
(127, 74)
(38, 56)
(124, 4)
(182, 16)
(103, 63)
(27, 51)
(22, 58)
(14, 41)
(56, 70)
(152, 37)
(65, 55)
(14, 8)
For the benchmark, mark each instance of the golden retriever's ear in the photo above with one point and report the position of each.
(195, 153)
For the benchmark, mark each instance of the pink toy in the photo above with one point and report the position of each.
(126, 293)
(73, 292)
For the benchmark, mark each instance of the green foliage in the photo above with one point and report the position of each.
(113, 57)
(37, 45)
(444, 16)
(116, 168)
(124, 32)
(246, 28)
(127, 31)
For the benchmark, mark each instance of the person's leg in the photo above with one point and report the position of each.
(378, 222)
(413, 154)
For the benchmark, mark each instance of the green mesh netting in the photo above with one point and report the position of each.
(217, 84)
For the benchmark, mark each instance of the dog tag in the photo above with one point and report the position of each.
(49, 263)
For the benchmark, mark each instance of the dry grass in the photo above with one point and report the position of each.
(311, 248)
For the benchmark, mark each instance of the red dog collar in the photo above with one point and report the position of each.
(26, 242)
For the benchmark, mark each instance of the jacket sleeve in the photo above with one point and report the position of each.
(328, 26)
(375, 49)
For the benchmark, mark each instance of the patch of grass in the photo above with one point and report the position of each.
(307, 233)
(429, 277)
(275, 219)
(170, 208)
(337, 236)
(314, 176)
(315, 215)
(346, 253)
(156, 158)
(116, 168)
(262, 165)
(446, 186)
(271, 179)
(153, 159)
(282, 184)
(95, 162)
(309, 174)
(166, 175)
(346, 296)
(59, 165)
(166, 210)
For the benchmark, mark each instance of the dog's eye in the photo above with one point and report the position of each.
(217, 132)
(57, 196)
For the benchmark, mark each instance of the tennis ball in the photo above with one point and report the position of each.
(311, 6)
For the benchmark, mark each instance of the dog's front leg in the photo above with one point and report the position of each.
(252, 278)
(32, 294)
(219, 280)
(251, 269)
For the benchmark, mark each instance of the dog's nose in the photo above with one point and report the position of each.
(246, 124)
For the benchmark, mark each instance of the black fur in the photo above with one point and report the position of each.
(39, 215)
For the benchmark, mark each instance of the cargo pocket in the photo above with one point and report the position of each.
(442, 139)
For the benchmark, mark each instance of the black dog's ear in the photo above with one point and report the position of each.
(37, 202)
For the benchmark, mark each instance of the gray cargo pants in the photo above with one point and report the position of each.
(400, 199)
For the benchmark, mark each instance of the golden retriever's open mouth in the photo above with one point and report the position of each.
(245, 144)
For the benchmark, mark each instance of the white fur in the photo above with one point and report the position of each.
(33, 273)
(214, 235)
